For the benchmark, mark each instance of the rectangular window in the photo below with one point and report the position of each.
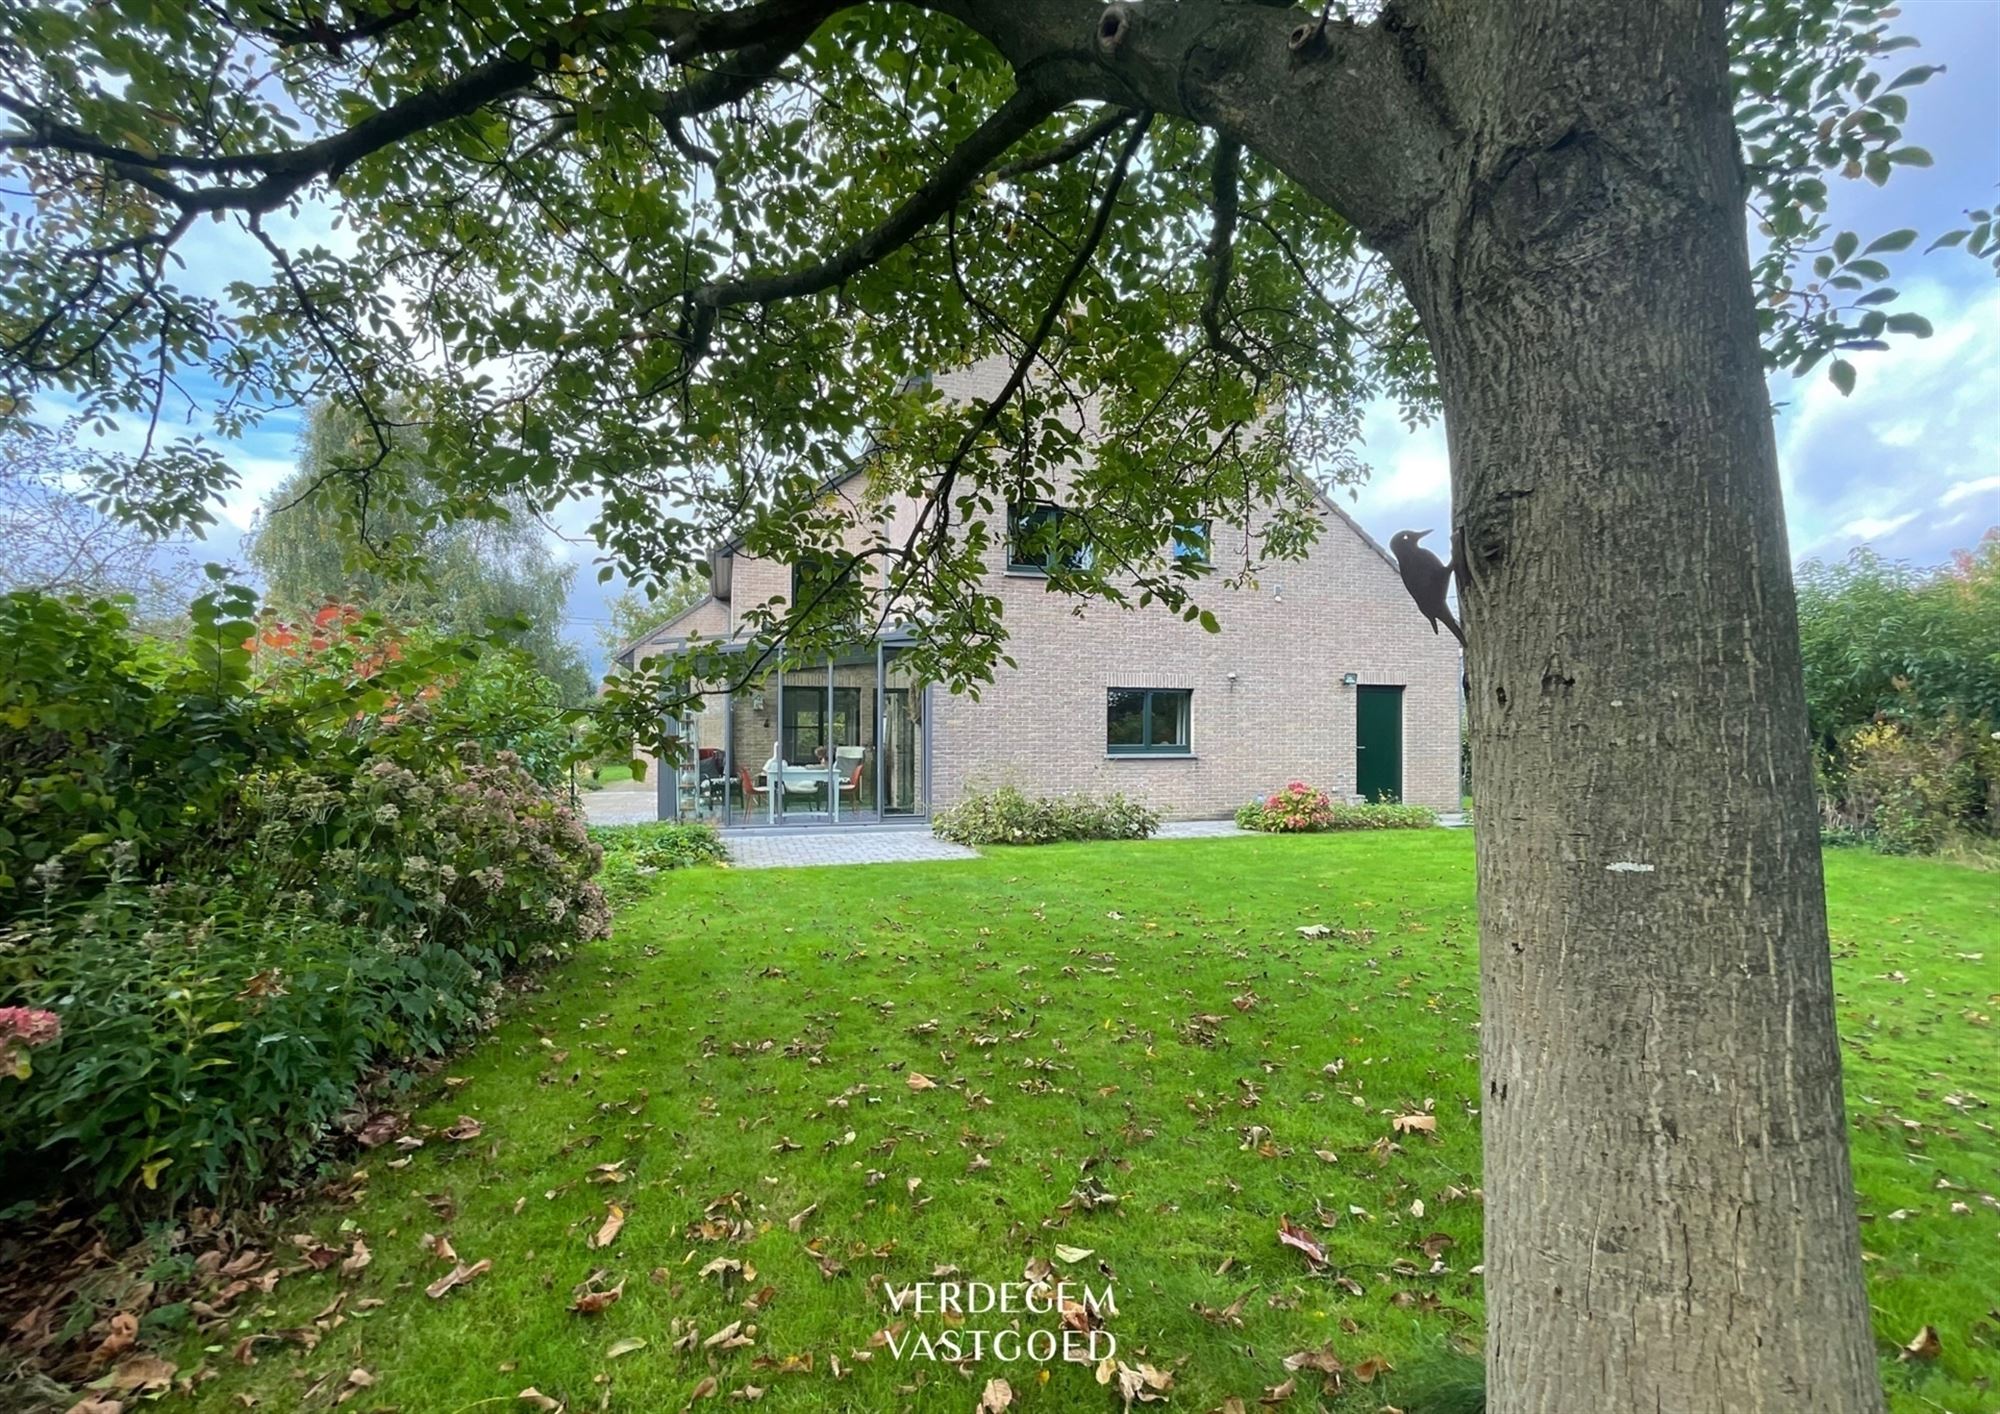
(1191, 543)
(1147, 721)
(1041, 536)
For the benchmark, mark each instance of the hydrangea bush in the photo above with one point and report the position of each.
(232, 892)
(1298, 808)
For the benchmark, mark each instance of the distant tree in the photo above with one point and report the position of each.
(634, 614)
(1882, 638)
(58, 542)
(393, 543)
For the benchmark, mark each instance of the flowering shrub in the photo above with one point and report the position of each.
(1006, 816)
(239, 887)
(1295, 807)
(1299, 808)
(472, 854)
(22, 1029)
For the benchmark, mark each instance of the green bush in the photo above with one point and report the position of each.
(208, 1041)
(1298, 808)
(469, 853)
(246, 873)
(1902, 673)
(636, 855)
(107, 737)
(1005, 816)
(1909, 788)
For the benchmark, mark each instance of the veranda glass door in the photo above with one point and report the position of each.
(904, 773)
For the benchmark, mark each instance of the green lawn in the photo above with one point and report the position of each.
(1138, 1020)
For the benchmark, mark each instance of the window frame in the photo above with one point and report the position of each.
(1018, 511)
(1197, 552)
(1146, 746)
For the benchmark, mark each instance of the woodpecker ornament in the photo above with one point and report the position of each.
(1427, 578)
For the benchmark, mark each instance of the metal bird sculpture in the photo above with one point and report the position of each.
(1427, 578)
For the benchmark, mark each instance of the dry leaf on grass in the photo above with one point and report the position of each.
(1072, 1254)
(360, 1258)
(1368, 1369)
(458, 1276)
(1924, 1345)
(465, 1128)
(1414, 1124)
(626, 1347)
(917, 1081)
(799, 1219)
(358, 1379)
(614, 1220)
(142, 1373)
(995, 1398)
(535, 1398)
(1291, 1234)
(1141, 1385)
(590, 1302)
(124, 1331)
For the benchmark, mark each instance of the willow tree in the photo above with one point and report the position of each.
(695, 258)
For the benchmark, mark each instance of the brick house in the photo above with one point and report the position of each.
(1324, 672)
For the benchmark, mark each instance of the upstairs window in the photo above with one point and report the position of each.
(1041, 537)
(1147, 721)
(1191, 543)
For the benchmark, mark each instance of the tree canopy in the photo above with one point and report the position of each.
(692, 261)
(324, 538)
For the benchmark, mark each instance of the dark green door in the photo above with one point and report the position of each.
(1378, 743)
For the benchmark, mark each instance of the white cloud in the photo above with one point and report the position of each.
(1869, 528)
(1964, 490)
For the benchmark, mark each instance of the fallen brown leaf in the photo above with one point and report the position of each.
(1924, 1345)
(590, 1302)
(466, 1127)
(124, 1331)
(1414, 1124)
(143, 1373)
(1292, 1235)
(614, 1220)
(918, 1081)
(540, 1401)
(996, 1397)
(458, 1276)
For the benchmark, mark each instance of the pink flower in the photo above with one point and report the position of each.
(22, 1029)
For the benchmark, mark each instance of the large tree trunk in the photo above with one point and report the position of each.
(1670, 1215)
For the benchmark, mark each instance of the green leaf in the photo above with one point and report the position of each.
(1842, 374)
(1912, 76)
(1844, 244)
(1895, 240)
(1910, 324)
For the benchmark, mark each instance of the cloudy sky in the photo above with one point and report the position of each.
(1910, 464)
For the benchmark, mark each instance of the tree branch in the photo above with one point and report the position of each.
(1007, 125)
(1222, 252)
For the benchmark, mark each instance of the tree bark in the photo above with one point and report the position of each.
(1670, 1212)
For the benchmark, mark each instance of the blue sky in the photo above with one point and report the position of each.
(1910, 464)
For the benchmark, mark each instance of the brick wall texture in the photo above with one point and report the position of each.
(1267, 697)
